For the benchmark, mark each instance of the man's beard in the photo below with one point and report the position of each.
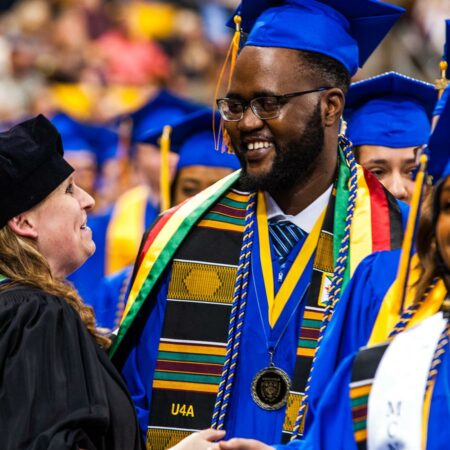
(293, 164)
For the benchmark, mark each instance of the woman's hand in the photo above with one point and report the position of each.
(241, 444)
(201, 440)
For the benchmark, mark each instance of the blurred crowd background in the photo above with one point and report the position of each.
(99, 60)
(96, 59)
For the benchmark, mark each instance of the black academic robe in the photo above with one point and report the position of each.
(58, 389)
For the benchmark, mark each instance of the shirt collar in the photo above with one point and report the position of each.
(304, 219)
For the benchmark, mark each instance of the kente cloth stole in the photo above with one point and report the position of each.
(364, 369)
(192, 352)
(191, 355)
(317, 296)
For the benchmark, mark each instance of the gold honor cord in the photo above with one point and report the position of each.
(165, 170)
(414, 211)
(277, 303)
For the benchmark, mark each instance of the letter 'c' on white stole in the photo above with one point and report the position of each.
(395, 408)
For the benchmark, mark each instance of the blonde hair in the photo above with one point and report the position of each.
(24, 264)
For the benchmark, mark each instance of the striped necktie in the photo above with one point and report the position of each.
(284, 235)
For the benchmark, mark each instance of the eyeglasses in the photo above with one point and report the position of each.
(265, 108)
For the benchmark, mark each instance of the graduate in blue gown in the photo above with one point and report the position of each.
(198, 167)
(89, 147)
(173, 339)
(138, 207)
(336, 426)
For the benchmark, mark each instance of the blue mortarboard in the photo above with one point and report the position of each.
(192, 138)
(346, 30)
(439, 146)
(83, 137)
(391, 110)
(164, 109)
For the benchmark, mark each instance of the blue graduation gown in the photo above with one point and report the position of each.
(353, 319)
(87, 277)
(333, 429)
(111, 290)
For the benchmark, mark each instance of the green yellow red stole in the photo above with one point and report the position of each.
(189, 365)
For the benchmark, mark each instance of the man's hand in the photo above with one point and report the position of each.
(201, 440)
(241, 444)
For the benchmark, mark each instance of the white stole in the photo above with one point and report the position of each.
(395, 408)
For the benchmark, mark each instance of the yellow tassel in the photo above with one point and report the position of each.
(230, 56)
(165, 176)
(414, 210)
(442, 82)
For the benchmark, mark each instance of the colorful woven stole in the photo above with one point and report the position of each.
(191, 353)
(176, 363)
(363, 374)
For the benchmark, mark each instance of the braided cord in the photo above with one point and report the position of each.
(437, 357)
(409, 312)
(236, 318)
(337, 279)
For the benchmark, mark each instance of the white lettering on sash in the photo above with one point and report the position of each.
(395, 405)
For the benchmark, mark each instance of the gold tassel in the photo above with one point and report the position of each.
(442, 82)
(414, 211)
(165, 175)
(230, 56)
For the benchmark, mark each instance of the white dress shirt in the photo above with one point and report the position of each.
(304, 219)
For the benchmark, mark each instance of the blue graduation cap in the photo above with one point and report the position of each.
(439, 146)
(192, 138)
(390, 110)
(346, 30)
(164, 109)
(99, 141)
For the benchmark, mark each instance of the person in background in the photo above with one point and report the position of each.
(58, 388)
(199, 166)
(395, 393)
(249, 261)
(389, 122)
(88, 147)
(137, 208)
